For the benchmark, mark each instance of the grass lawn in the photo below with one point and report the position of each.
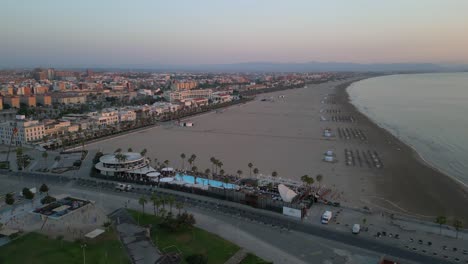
(189, 241)
(252, 259)
(34, 248)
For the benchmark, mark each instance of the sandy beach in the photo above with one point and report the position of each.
(285, 135)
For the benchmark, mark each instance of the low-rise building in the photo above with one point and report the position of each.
(106, 117)
(127, 116)
(21, 131)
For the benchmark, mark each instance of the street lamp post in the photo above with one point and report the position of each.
(83, 246)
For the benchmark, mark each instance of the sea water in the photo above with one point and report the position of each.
(427, 111)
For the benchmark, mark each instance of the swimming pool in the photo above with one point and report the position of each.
(190, 179)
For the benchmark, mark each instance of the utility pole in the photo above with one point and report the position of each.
(13, 134)
(83, 246)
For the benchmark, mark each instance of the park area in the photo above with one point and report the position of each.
(35, 248)
(192, 241)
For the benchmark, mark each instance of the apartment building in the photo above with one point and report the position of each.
(12, 101)
(23, 131)
(190, 94)
(28, 100)
(61, 98)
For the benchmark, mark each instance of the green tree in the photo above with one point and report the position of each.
(170, 201)
(154, 199)
(44, 189)
(212, 160)
(250, 165)
(274, 174)
(441, 220)
(118, 150)
(27, 193)
(196, 259)
(182, 156)
(9, 199)
(142, 201)
(207, 172)
(179, 206)
(45, 155)
(143, 152)
(458, 225)
(319, 178)
(129, 150)
(239, 172)
(307, 180)
(256, 171)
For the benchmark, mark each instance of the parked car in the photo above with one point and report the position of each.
(356, 228)
(326, 217)
(123, 187)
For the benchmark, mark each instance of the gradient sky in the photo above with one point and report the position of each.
(149, 32)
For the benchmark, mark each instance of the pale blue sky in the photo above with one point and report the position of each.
(150, 32)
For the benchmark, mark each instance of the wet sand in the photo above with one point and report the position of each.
(285, 135)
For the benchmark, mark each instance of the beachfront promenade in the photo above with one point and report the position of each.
(272, 226)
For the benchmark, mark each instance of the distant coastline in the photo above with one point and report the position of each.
(417, 154)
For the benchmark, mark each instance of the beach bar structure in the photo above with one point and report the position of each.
(126, 164)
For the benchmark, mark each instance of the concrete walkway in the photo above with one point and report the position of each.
(138, 245)
(238, 257)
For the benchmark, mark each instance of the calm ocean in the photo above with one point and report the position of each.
(427, 111)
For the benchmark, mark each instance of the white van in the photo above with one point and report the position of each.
(326, 217)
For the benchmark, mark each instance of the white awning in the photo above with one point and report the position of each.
(153, 174)
(286, 194)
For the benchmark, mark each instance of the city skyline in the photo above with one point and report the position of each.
(151, 34)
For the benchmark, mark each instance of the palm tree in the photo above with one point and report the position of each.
(255, 171)
(212, 159)
(239, 172)
(44, 189)
(274, 174)
(129, 150)
(143, 152)
(171, 201)
(219, 164)
(45, 155)
(142, 201)
(319, 178)
(250, 165)
(221, 172)
(154, 198)
(179, 206)
(193, 157)
(182, 156)
(166, 163)
(458, 224)
(441, 220)
(118, 150)
(207, 172)
(194, 169)
(307, 180)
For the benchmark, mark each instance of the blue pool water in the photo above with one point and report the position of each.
(190, 179)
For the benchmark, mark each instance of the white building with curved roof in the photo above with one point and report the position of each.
(124, 164)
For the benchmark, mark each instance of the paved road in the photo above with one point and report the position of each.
(255, 222)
